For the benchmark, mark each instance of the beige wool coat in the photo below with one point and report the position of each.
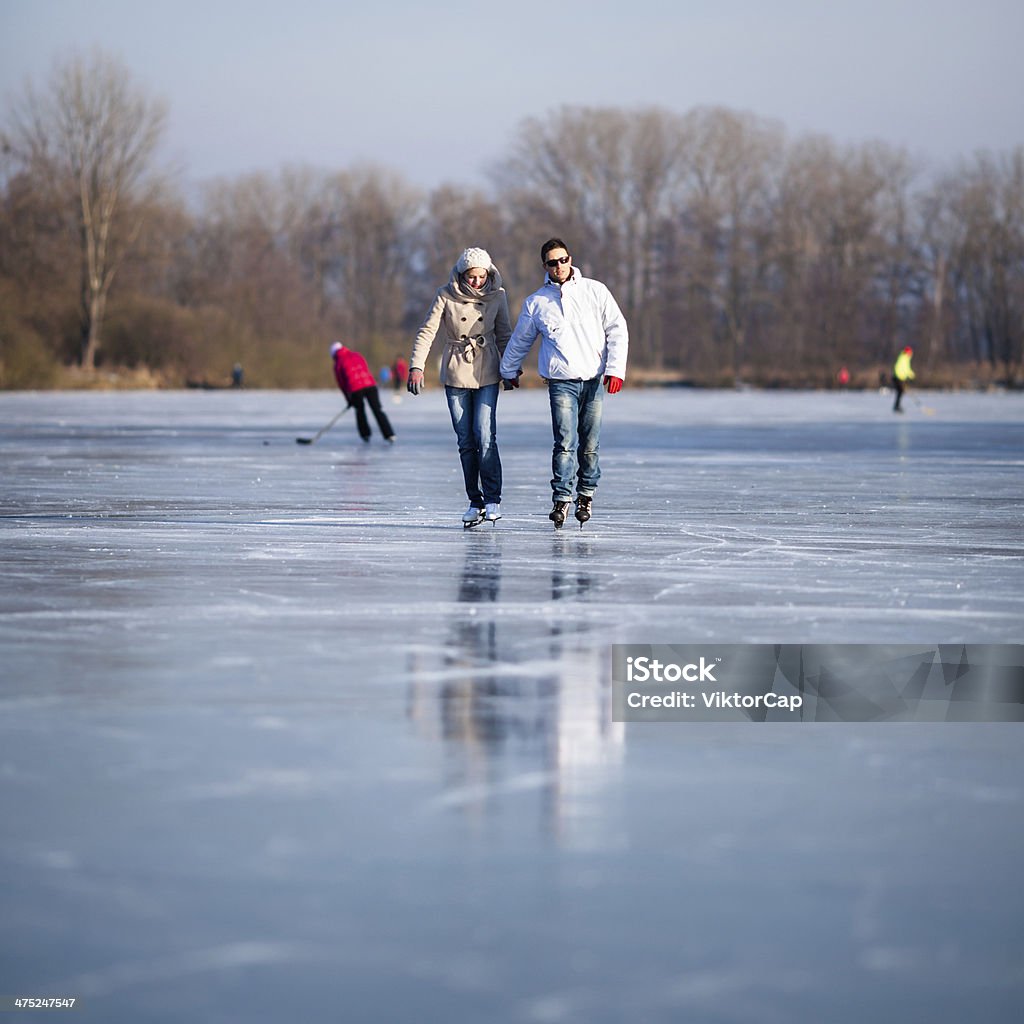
(474, 328)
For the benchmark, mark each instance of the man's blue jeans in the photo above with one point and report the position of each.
(473, 412)
(576, 424)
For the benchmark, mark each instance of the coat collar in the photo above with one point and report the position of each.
(573, 278)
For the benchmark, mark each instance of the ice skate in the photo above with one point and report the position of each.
(473, 516)
(583, 503)
(558, 513)
(492, 511)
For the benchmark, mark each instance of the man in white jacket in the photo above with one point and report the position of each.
(583, 347)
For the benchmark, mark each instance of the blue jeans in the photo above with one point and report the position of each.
(576, 424)
(474, 417)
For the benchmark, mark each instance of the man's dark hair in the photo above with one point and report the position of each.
(552, 243)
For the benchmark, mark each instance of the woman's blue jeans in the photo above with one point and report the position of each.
(576, 407)
(473, 412)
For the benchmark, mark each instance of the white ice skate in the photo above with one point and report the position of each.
(473, 516)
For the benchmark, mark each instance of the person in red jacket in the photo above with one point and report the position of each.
(358, 386)
(399, 373)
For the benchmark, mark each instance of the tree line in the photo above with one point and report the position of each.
(736, 253)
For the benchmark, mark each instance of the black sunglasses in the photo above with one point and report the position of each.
(558, 260)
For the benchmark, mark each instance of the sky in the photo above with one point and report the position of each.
(438, 92)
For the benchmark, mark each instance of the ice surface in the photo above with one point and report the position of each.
(281, 741)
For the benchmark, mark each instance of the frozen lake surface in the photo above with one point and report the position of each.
(281, 741)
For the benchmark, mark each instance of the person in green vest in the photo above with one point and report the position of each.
(901, 373)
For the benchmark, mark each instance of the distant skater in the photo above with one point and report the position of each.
(901, 373)
(358, 386)
(583, 346)
(399, 373)
(470, 315)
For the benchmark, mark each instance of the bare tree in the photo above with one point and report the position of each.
(92, 137)
(849, 277)
(938, 237)
(374, 211)
(989, 202)
(604, 180)
(732, 163)
(310, 229)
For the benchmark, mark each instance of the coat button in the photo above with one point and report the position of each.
(463, 319)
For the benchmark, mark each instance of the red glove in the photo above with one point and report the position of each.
(612, 384)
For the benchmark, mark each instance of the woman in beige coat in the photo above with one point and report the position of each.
(470, 315)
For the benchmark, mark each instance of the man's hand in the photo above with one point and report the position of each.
(508, 383)
(415, 382)
(612, 384)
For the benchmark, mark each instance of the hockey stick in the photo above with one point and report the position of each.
(323, 430)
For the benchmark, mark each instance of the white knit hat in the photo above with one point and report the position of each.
(335, 348)
(473, 257)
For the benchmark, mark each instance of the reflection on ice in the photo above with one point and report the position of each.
(545, 706)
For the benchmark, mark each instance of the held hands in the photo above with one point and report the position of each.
(613, 385)
(510, 383)
(415, 382)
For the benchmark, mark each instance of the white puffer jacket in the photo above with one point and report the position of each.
(582, 332)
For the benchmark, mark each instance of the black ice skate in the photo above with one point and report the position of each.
(558, 513)
(583, 503)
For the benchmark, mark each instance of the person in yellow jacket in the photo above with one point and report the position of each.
(901, 373)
